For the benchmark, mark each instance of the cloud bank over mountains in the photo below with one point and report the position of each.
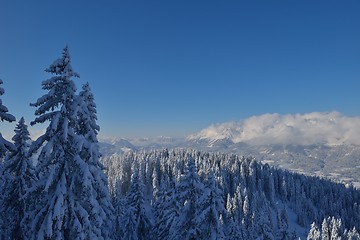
(330, 128)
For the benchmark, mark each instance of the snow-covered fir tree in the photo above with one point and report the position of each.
(128, 228)
(325, 229)
(314, 233)
(233, 226)
(262, 226)
(351, 235)
(190, 190)
(70, 204)
(5, 145)
(88, 128)
(18, 176)
(166, 211)
(138, 211)
(211, 210)
(332, 228)
(87, 125)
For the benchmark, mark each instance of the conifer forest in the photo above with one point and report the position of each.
(59, 186)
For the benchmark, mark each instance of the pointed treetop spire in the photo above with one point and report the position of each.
(21, 133)
(63, 65)
(61, 90)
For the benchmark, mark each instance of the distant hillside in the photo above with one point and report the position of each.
(340, 163)
(188, 194)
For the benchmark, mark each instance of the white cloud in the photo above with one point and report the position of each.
(304, 129)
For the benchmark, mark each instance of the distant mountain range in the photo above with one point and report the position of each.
(322, 144)
(301, 129)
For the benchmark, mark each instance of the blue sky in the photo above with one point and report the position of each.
(174, 67)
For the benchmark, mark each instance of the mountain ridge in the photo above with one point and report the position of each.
(320, 144)
(329, 128)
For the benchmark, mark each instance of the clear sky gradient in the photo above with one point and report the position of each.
(173, 67)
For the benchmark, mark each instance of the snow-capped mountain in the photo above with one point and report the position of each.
(113, 145)
(301, 129)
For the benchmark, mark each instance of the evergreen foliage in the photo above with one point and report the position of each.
(189, 190)
(5, 145)
(222, 196)
(314, 233)
(72, 200)
(4, 115)
(211, 210)
(166, 211)
(160, 194)
(19, 176)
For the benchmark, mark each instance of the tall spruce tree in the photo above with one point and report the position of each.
(19, 176)
(166, 211)
(69, 200)
(138, 211)
(190, 189)
(87, 125)
(88, 128)
(211, 208)
(5, 147)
